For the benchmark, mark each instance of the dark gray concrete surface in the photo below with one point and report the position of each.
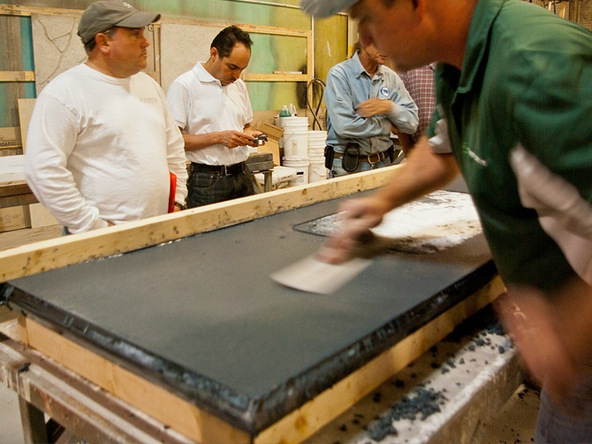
(201, 316)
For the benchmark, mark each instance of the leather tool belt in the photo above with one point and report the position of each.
(351, 157)
(371, 158)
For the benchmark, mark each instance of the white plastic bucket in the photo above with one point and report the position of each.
(295, 137)
(317, 138)
(317, 170)
(301, 167)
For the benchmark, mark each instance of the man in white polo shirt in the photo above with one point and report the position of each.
(212, 108)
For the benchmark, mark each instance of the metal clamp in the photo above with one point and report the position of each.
(5, 293)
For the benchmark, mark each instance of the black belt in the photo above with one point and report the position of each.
(371, 158)
(222, 170)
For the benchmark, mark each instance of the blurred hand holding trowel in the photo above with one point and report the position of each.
(344, 255)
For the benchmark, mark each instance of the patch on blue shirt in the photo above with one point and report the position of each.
(384, 91)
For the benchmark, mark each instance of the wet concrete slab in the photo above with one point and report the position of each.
(202, 318)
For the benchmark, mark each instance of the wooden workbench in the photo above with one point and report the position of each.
(472, 372)
(346, 344)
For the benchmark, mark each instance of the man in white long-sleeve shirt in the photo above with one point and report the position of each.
(101, 141)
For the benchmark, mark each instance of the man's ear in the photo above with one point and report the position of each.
(213, 53)
(420, 7)
(102, 42)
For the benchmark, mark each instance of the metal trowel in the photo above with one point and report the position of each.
(315, 276)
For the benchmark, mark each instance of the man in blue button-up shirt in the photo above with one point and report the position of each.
(365, 99)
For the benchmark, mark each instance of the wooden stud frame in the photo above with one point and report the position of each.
(26, 76)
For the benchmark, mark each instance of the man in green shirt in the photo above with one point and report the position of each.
(514, 103)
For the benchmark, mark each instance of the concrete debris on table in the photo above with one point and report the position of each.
(413, 406)
(411, 228)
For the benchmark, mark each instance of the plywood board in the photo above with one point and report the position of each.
(9, 136)
(25, 110)
(14, 218)
(201, 317)
(182, 46)
(56, 47)
(40, 216)
(11, 168)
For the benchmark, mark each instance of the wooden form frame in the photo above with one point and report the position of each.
(45, 386)
(199, 425)
(284, 77)
(170, 409)
(56, 253)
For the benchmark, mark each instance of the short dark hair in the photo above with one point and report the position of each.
(92, 43)
(228, 37)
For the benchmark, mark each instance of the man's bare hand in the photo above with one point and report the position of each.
(373, 107)
(358, 217)
(233, 139)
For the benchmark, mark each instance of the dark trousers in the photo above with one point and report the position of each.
(207, 186)
(570, 422)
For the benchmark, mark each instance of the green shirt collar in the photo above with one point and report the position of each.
(484, 15)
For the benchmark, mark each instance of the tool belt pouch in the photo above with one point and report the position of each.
(351, 157)
(329, 155)
(391, 153)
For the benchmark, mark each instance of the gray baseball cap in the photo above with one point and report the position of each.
(102, 15)
(325, 8)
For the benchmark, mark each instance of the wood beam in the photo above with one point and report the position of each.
(17, 76)
(56, 253)
(26, 11)
(277, 77)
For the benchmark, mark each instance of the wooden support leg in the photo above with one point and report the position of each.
(33, 420)
(268, 181)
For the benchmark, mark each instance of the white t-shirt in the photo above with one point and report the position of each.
(201, 105)
(100, 149)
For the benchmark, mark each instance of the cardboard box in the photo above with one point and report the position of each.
(274, 133)
(14, 218)
(10, 141)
